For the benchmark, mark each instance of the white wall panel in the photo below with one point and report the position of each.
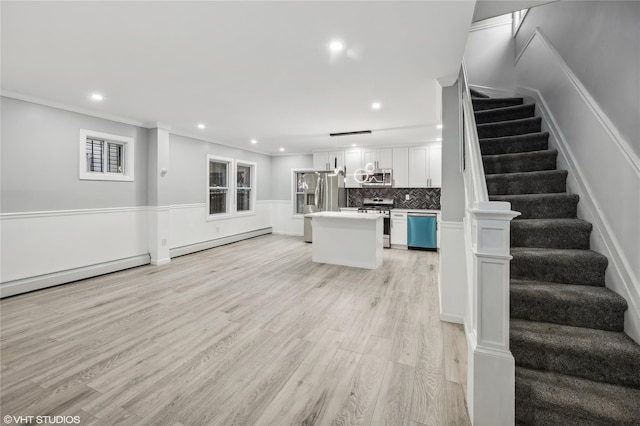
(282, 219)
(190, 225)
(453, 272)
(603, 169)
(40, 243)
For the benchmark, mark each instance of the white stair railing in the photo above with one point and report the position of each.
(491, 367)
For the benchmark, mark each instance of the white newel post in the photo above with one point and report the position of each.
(491, 381)
(158, 195)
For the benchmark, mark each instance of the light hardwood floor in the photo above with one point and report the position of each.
(248, 333)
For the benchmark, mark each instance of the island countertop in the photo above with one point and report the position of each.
(344, 215)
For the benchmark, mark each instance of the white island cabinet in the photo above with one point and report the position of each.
(349, 239)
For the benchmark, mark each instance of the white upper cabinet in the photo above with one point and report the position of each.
(435, 165)
(380, 158)
(328, 160)
(336, 159)
(425, 166)
(352, 161)
(413, 167)
(400, 166)
(385, 158)
(418, 167)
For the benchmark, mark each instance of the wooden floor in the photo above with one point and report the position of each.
(249, 333)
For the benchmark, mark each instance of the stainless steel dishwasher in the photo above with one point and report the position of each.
(422, 230)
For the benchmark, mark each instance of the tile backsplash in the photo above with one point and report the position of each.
(420, 198)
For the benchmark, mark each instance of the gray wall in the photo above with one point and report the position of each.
(452, 198)
(489, 54)
(599, 40)
(281, 166)
(187, 172)
(40, 161)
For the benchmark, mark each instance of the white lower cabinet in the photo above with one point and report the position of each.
(398, 229)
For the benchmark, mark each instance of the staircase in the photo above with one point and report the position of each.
(574, 364)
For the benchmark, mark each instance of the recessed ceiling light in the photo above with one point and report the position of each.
(439, 126)
(336, 46)
(201, 126)
(353, 144)
(439, 139)
(253, 141)
(281, 149)
(97, 97)
(376, 105)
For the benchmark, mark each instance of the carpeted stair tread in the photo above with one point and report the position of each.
(476, 94)
(505, 113)
(520, 162)
(600, 355)
(545, 398)
(541, 206)
(540, 182)
(511, 144)
(575, 305)
(551, 233)
(509, 128)
(583, 267)
(490, 103)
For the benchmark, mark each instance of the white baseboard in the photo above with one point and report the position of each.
(204, 245)
(494, 92)
(457, 319)
(290, 234)
(11, 288)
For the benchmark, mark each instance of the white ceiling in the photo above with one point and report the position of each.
(245, 69)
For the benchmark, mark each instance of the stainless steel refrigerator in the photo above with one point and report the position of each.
(323, 191)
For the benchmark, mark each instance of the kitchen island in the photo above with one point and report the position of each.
(349, 239)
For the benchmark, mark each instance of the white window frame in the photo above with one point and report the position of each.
(254, 170)
(518, 18)
(294, 192)
(128, 154)
(230, 188)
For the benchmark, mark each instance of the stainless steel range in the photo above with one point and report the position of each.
(380, 206)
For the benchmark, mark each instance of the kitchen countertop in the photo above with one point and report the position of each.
(398, 210)
(415, 210)
(343, 215)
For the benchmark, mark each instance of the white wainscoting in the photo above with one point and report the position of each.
(283, 221)
(42, 249)
(453, 272)
(603, 169)
(190, 231)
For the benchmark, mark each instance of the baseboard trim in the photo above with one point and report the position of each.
(456, 319)
(290, 234)
(204, 245)
(12, 288)
(493, 91)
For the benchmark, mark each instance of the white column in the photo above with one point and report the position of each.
(491, 373)
(158, 195)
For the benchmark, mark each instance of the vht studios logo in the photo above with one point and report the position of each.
(61, 420)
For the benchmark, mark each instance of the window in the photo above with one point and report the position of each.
(299, 186)
(245, 186)
(106, 157)
(218, 184)
(518, 17)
